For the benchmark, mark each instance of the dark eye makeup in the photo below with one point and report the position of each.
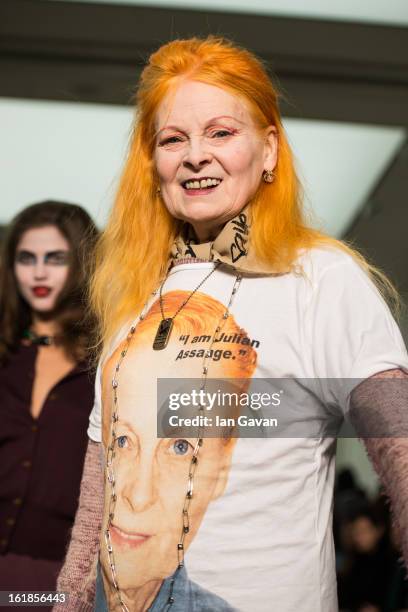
(57, 258)
(53, 258)
(26, 258)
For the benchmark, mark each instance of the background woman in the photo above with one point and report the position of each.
(210, 205)
(46, 388)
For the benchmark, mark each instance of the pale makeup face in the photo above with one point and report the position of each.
(209, 155)
(41, 267)
(151, 476)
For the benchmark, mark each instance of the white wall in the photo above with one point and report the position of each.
(393, 12)
(351, 454)
(75, 152)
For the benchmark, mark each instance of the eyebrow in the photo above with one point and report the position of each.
(178, 432)
(127, 425)
(47, 253)
(25, 251)
(209, 122)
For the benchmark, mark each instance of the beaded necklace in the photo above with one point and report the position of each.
(166, 324)
(185, 519)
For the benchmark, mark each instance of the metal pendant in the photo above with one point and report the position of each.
(163, 334)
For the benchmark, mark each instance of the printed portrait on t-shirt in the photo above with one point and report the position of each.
(151, 473)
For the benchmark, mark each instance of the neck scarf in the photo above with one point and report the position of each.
(230, 247)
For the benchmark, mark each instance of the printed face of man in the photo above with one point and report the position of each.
(209, 155)
(151, 474)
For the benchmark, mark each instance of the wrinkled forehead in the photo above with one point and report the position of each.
(137, 381)
(138, 398)
(196, 103)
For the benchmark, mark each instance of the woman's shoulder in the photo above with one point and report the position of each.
(114, 342)
(329, 262)
(319, 259)
(20, 357)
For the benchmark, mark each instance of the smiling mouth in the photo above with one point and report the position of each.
(205, 184)
(130, 540)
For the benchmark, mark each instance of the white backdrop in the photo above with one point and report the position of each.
(375, 11)
(75, 152)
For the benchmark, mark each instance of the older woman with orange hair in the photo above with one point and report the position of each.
(209, 211)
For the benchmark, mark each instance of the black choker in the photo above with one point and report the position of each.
(34, 338)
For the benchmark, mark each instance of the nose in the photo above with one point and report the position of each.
(140, 489)
(40, 269)
(197, 155)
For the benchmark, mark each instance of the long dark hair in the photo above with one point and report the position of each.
(71, 311)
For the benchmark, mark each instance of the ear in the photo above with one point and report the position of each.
(271, 148)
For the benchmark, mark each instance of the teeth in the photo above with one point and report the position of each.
(203, 183)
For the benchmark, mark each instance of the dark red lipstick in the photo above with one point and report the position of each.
(41, 291)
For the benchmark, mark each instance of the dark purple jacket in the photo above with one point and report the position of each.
(41, 460)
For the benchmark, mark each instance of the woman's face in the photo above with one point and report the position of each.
(41, 267)
(209, 155)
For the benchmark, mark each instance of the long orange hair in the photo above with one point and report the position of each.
(133, 251)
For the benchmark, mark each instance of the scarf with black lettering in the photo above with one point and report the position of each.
(230, 247)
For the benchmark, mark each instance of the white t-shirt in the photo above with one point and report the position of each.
(266, 543)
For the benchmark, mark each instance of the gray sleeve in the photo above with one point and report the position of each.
(78, 575)
(379, 413)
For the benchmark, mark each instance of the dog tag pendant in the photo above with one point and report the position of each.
(163, 334)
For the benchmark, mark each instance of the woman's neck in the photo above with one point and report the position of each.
(45, 327)
(207, 233)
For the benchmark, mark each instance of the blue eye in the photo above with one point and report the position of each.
(181, 447)
(122, 441)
